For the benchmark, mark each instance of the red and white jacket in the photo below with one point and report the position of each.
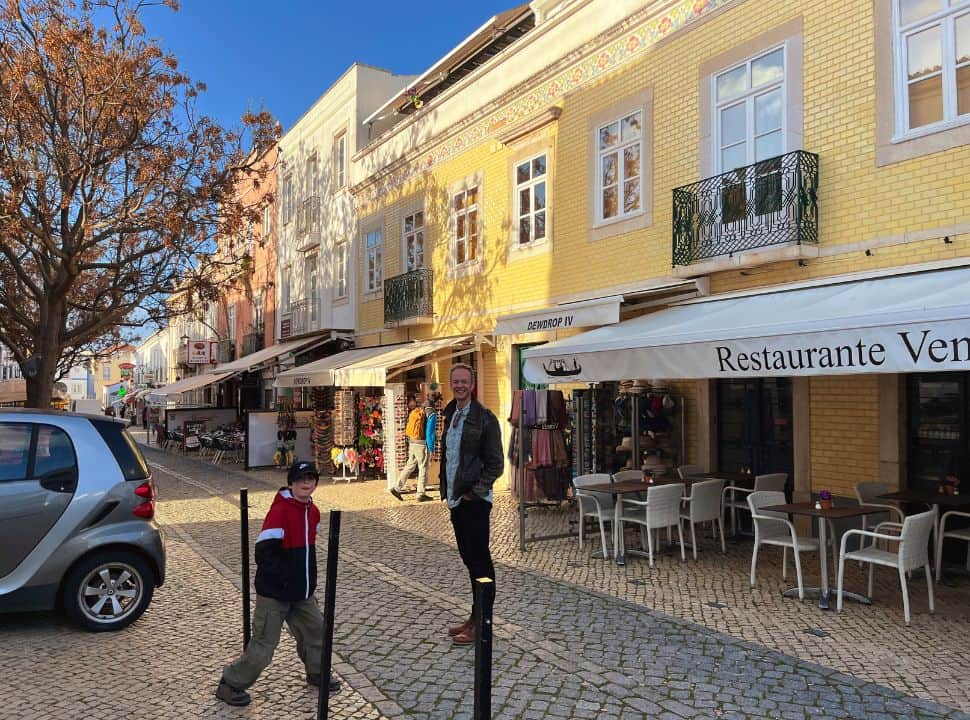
(286, 558)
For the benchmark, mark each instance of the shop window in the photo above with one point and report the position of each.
(754, 426)
(938, 409)
(932, 47)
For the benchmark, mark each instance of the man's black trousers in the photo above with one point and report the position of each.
(470, 521)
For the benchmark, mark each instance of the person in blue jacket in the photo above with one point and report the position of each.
(430, 426)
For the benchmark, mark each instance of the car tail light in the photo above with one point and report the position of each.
(145, 509)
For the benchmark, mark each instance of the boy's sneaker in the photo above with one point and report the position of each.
(231, 695)
(314, 679)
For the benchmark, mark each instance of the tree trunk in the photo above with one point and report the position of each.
(41, 386)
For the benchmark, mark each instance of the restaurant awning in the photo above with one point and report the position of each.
(587, 313)
(911, 321)
(261, 357)
(166, 392)
(364, 367)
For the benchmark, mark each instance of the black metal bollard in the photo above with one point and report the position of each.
(329, 601)
(244, 549)
(484, 599)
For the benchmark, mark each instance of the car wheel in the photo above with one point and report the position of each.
(108, 590)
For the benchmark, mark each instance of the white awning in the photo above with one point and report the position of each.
(364, 367)
(374, 371)
(258, 358)
(902, 323)
(320, 372)
(194, 382)
(587, 313)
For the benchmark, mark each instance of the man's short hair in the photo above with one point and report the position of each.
(465, 366)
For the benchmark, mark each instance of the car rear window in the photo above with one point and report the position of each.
(123, 447)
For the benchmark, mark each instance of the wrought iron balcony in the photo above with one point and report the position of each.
(408, 298)
(772, 202)
(226, 350)
(302, 317)
(308, 221)
(253, 341)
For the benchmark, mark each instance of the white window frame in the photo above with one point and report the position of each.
(621, 178)
(311, 283)
(407, 235)
(467, 263)
(748, 97)
(340, 160)
(286, 199)
(231, 322)
(341, 252)
(267, 220)
(373, 271)
(530, 185)
(945, 19)
(285, 290)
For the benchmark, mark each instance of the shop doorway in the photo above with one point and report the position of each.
(520, 364)
(754, 428)
(938, 409)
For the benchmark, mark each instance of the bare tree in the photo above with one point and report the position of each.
(112, 186)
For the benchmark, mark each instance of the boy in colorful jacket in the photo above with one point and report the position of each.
(286, 576)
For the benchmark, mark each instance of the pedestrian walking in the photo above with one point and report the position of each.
(418, 456)
(144, 418)
(472, 461)
(286, 576)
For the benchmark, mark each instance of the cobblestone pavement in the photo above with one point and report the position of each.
(575, 637)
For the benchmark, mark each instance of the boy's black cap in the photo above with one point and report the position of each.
(299, 469)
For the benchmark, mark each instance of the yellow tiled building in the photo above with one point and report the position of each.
(535, 166)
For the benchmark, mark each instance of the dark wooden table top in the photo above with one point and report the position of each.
(832, 513)
(733, 478)
(621, 488)
(929, 497)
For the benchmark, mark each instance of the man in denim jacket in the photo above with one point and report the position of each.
(471, 461)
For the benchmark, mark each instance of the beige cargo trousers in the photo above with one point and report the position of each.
(305, 622)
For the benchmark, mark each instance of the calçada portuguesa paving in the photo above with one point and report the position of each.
(575, 637)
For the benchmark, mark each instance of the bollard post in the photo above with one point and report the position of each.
(329, 601)
(484, 599)
(244, 549)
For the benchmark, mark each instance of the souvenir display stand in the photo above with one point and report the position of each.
(321, 433)
(264, 436)
(343, 453)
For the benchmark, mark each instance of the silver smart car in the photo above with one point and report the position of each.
(77, 528)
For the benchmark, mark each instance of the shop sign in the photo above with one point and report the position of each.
(562, 317)
(899, 348)
(199, 352)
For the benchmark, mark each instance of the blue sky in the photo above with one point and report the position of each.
(283, 55)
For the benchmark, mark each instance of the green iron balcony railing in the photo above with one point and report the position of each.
(409, 297)
(772, 202)
(253, 341)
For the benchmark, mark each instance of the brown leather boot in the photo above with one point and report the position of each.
(465, 637)
(458, 629)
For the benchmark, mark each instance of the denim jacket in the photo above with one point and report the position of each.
(481, 460)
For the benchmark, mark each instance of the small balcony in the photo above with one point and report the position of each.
(302, 317)
(766, 212)
(226, 350)
(408, 298)
(308, 223)
(254, 340)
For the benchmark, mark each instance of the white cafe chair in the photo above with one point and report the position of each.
(774, 482)
(594, 504)
(911, 553)
(660, 510)
(704, 505)
(956, 534)
(774, 528)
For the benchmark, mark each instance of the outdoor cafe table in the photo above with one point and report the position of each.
(626, 487)
(941, 502)
(824, 516)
